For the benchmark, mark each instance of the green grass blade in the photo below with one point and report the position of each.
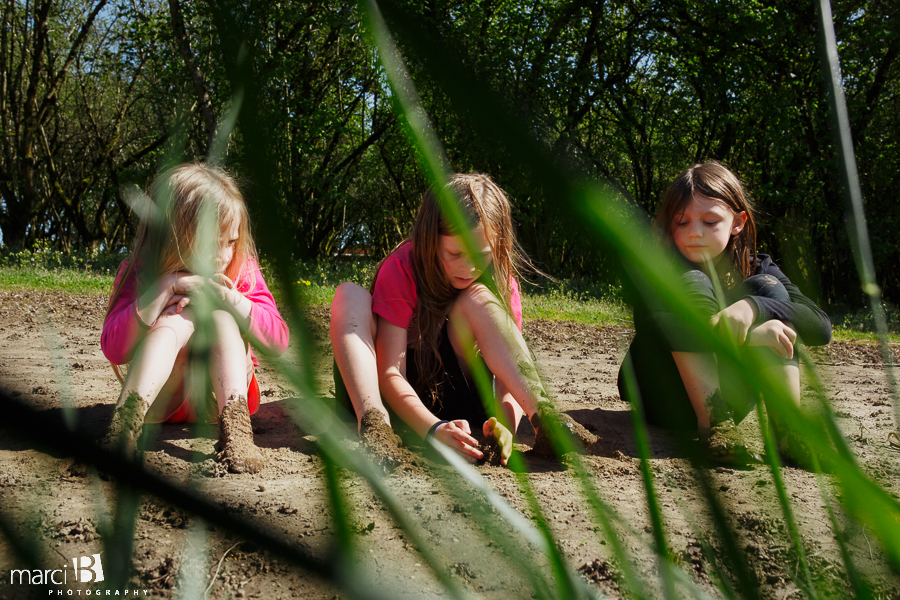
(642, 441)
(806, 584)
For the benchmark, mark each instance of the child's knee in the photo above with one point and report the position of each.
(476, 297)
(352, 304)
(767, 286)
(181, 324)
(697, 280)
(223, 323)
(350, 296)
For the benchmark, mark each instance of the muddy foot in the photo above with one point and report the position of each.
(125, 427)
(724, 445)
(239, 454)
(383, 445)
(542, 445)
(795, 452)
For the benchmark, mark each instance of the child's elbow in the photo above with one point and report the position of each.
(282, 339)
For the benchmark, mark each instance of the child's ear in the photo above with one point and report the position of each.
(740, 220)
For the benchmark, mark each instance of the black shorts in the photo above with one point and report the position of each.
(455, 396)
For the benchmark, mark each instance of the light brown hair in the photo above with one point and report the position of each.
(714, 181)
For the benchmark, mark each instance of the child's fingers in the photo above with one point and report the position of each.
(451, 435)
(792, 335)
(505, 453)
(223, 280)
(463, 424)
(788, 347)
(488, 427)
(465, 438)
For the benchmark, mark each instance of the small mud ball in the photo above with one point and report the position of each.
(492, 452)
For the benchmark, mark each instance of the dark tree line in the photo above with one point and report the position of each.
(96, 95)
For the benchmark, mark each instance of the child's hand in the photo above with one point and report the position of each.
(222, 284)
(492, 427)
(177, 302)
(458, 435)
(776, 335)
(187, 285)
(223, 280)
(736, 319)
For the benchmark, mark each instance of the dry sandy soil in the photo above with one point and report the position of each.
(49, 351)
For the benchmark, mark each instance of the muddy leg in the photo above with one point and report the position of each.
(125, 427)
(238, 452)
(382, 443)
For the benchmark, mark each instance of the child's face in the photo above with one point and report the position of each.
(703, 230)
(458, 266)
(227, 244)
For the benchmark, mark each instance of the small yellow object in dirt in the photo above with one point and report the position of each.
(262, 487)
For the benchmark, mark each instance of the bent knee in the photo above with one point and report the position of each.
(696, 278)
(475, 297)
(351, 307)
(350, 298)
(223, 320)
(767, 286)
(180, 324)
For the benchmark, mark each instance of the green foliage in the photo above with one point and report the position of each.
(626, 93)
(48, 269)
(651, 84)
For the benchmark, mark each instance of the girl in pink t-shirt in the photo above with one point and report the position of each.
(155, 308)
(404, 341)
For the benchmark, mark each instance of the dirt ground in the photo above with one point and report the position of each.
(50, 353)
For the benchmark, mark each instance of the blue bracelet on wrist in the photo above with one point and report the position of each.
(430, 435)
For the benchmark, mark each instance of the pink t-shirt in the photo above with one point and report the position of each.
(394, 296)
(123, 328)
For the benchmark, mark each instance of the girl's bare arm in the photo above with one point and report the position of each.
(390, 356)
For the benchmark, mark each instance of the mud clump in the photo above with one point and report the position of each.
(238, 452)
(492, 452)
(383, 445)
(77, 530)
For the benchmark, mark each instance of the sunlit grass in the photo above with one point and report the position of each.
(319, 279)
(70, 281)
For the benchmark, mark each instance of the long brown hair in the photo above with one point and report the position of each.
(482, 203)
(167, 240)
(714, 181)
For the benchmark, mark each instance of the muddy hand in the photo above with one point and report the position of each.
(493, 428)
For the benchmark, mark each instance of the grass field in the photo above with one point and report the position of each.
(560, 301)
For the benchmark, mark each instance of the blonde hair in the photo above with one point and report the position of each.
(714, 181)
(482, 203)
(167, 240)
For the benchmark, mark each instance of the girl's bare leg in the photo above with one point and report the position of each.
(230, 370)
(151, 367)
(507, 355)
(787, 376)
(700, 375)
(353, 330)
